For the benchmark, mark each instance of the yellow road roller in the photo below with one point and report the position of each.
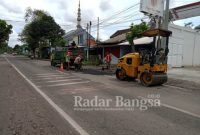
(148, 62)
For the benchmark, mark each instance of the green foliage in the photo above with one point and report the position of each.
(32, 15)
(41, 30)
(93, 60)
(59, 42)
(17, 49)
(5, 48)
(136, 30)
(5, 31)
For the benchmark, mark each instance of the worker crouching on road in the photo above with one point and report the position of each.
(108, 60)
(67, 59)
(78, 62)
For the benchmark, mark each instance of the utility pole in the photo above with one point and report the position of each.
(98, 29)
(87, 42)
(166, 15)
(89, 37)
(97, 42)
(165, 22)
(165, 26)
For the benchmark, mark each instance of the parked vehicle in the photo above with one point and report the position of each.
(59, 56)
(14, 53)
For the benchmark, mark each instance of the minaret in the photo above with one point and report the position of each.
(79, 17)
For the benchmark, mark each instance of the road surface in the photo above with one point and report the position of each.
(38, 99)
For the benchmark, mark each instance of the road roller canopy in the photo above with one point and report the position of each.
(131, 55)
(156, 32)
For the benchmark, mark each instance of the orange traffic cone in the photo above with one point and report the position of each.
(61, 67)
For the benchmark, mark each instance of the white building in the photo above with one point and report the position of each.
(184, 47)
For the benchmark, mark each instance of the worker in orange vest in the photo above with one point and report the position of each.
(108, 60)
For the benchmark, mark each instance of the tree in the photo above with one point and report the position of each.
(59, 42)
(27, 37)
(40, 30)
(17, 48)
(5, 31)
(5, 48)
(136, 30)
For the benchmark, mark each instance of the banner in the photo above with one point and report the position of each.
(153, 7)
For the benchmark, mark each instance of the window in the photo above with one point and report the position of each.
(129, 61)
(80, 39)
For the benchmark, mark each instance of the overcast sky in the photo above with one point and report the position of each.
(65, 13)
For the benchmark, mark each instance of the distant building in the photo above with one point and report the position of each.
(184, 47)
(80, 36)
(117, 45)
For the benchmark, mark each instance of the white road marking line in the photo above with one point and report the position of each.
(173, 86)
(109, 76)
(47, 74)
(70, 120)
(43, 76)
(79, 89)
(42, 79)
(65, 77)
(53, 78)
(177, 109)
(181, 110)
(64, 80)
(64, 84)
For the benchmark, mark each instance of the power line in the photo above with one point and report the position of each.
(113, 15)
(121, 19)
(125, 19)
(120, 12)
(112, 24)
(9, 20)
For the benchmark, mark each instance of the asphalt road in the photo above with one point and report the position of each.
(39, 99)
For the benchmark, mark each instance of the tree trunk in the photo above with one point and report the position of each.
(34, 53)
(132, 47)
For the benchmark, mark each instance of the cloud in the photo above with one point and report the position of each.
(69, 18)
(63, 5)
(65, 13)
(13, 39)
(10, 6)
(57, 4)
(105, 5)
(88, 15)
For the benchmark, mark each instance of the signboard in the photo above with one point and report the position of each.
(185, 11)
(153, 7)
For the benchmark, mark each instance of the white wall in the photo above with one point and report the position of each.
(196, 56)
(75, 39)
(175, 48)
(184, 47)
(114, 59)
